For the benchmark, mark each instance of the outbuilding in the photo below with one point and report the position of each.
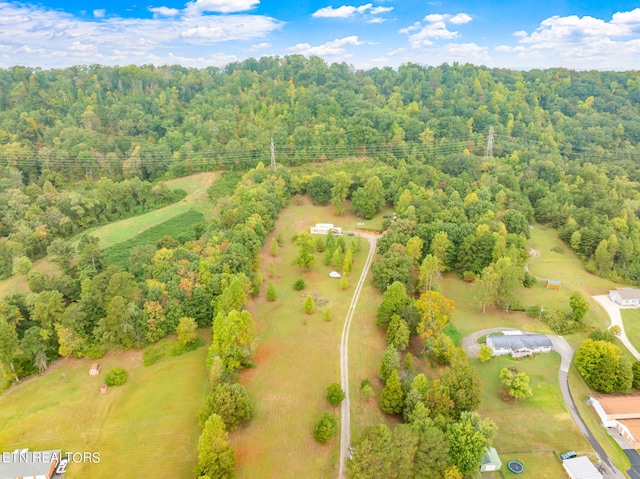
(95, 369)
(581, 468)
(324, 228)
(490, 461)
(553, 284)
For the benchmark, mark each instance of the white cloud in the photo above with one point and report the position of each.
(435, 28)
(197, 7)
(347, 11)
(376, 20)
(54, 38)
(379, 10)
(520, 33)
(260, 46)
(163, 11)
(632, 17)
(100, 13)
(332, 48)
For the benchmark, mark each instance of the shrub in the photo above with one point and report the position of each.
(151, 356)
(335, 394)
(309, 305)
(116, 377)
(529, 280)
(299, 285)
(271, 292)
(325, 428)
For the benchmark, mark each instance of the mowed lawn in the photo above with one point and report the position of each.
(631, 321)
(297, 357)
(541, 422)
(148, 424)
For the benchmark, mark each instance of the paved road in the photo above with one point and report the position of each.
(613, 309)
(560, 345)
(345, 411)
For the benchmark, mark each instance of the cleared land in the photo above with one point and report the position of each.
(297, 358)
(530, 430)
(148, 424)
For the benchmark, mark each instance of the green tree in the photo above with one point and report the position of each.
(414, 249)
(187, 331)
(429, 274)
(335, 394)
(602, 366)
(488, 283)
(466, 446)
(344, 282)
(325, 428)
(21, 265)
(274, 247)
(62, 253)
(394, 300)
(215, 456)
(511, 275)
(579, 306)
(440, 247)
(516, 383)
(116, 377)
(230, 402)
(233, 339)
(309, 304)
(392, 400)
(117, 328)
(373, 454)
(8, 347)
(306, 247)
(398, 333)
(392, 267)
(319, 190)
(486, 353)
(341, 184)
(336, 258)
(390, 362)
(271, 292)
(348, 262)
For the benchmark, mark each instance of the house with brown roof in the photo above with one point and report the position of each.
(622, 412)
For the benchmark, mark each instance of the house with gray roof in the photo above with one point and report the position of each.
(626, 297)
(519, 345)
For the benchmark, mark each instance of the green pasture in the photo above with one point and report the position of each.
(297, 357)
(543, 464)
(541, 422)
(148, 424)
(180, 225)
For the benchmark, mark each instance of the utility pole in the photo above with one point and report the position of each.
(489, 151)
(273, 156)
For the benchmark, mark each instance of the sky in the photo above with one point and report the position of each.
(524, 34)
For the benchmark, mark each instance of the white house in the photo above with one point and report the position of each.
(519, 345)
(581, 468)
(324, 228)
(628, 297)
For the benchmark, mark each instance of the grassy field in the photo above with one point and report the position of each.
(183, 224)
(298, 357)
(530, 429)
(196, 199)
(631, 320)
(148, 424)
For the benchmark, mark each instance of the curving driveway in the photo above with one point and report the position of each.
(613, 310)
(560, 345)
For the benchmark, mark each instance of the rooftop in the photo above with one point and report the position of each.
(633, 425)
(26, 463)
(581, 468)
(619, 403)
(629, 293)
(521, 341)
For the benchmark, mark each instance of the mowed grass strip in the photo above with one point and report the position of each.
(631, 321)
(148, 424)
(296, 359)
(181, 225)
(539, 422)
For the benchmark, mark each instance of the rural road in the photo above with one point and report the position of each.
(345, 411)
(613, 310)
(470, 344)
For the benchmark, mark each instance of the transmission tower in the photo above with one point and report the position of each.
(489, 151)
(273, 156)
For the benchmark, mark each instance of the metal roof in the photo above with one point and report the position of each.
(581, 468)
(628, 293)
(524, 341)
(23, 463)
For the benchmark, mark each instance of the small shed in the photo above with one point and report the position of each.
(95, 369)
(553, 284)
(490, 461)
(581, 468)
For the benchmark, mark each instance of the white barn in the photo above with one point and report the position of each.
(626, 297)
(519, 345)
(324, 228)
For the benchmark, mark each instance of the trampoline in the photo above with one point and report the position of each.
(516, 467)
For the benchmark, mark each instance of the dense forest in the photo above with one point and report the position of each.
(468, 156)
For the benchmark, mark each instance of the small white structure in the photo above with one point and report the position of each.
(95, 369)
(490, 461)
(581, 468)
(519, 345)
(335, 274)
(324, 228)
(626, 297)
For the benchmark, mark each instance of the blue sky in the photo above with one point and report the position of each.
(504, 33)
